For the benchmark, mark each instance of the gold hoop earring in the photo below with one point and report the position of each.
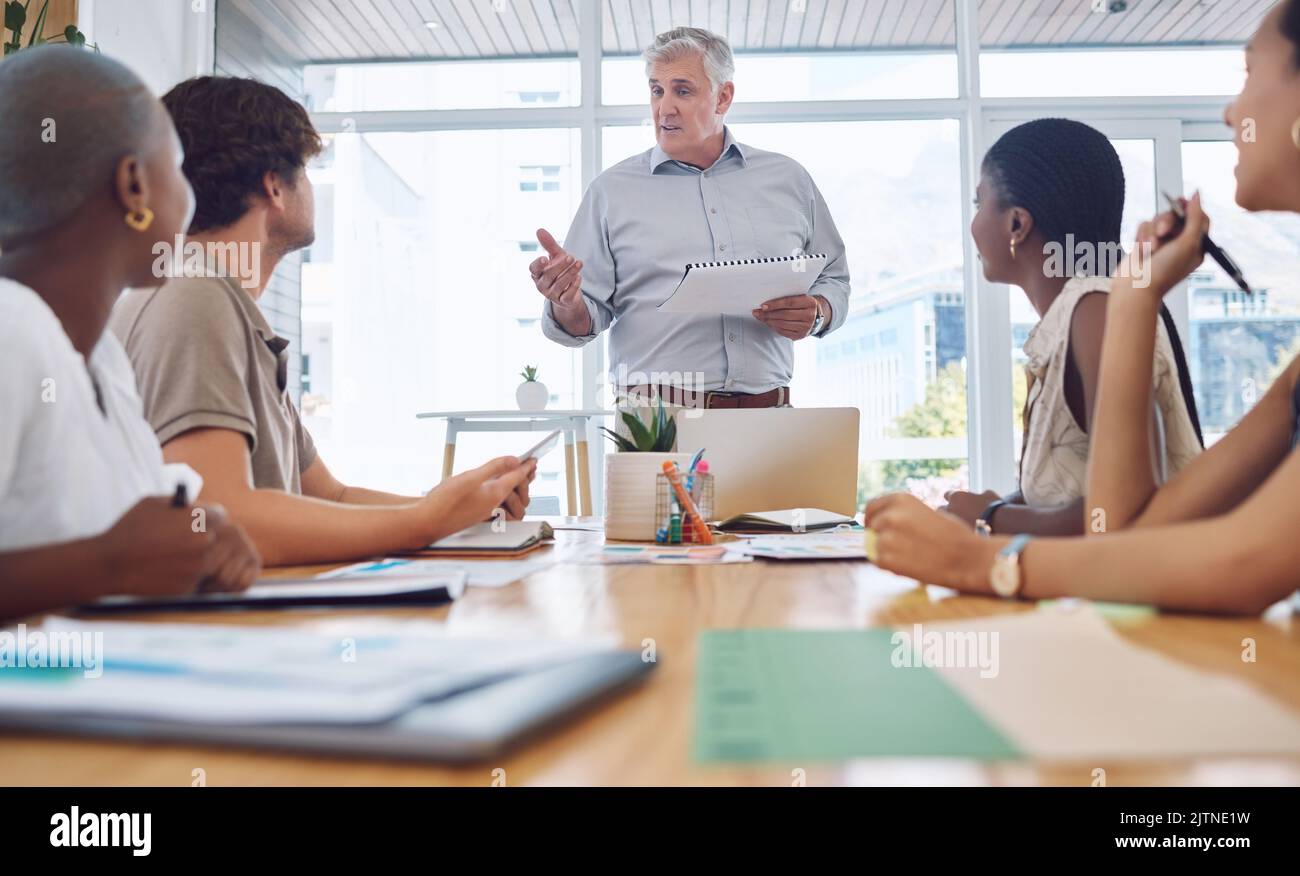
(1295, 133)
(140, 220)
(1013, 249)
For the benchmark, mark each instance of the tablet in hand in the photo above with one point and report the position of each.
(543, 447)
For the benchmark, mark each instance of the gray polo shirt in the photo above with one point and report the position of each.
(205, 358)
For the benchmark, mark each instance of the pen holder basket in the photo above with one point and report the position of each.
(666, 500)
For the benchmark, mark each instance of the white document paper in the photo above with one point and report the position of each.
(738, 288)
(805, 546)
(1067, 686)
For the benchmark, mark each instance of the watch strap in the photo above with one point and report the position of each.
(1015, 546)
(984, 523)
(1010, 555)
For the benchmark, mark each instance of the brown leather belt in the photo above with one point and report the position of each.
(672, 395)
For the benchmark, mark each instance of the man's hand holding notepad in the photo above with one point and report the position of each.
(739, 288)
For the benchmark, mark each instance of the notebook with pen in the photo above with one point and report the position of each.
(738, 288)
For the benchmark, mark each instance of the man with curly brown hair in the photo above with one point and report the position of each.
(213, 374)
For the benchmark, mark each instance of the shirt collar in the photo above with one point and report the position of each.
(659, 158)
(248, 306)
(278, 346)
(211, 270)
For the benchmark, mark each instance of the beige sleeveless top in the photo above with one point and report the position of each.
(1054, 456)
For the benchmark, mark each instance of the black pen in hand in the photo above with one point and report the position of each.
(1212, 249)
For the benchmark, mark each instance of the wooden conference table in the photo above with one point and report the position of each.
(644, 737)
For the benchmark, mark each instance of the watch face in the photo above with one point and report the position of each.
(1005, 577)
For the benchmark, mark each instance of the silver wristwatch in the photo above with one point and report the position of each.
(819, 322)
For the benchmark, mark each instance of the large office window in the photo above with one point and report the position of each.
(1239, 344)
(459, 127)
(412, 297)
(442, 85)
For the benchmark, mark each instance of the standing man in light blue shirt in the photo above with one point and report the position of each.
(697, 196)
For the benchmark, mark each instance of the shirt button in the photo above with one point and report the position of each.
(713, 210)
(732, 337)
(723, 248)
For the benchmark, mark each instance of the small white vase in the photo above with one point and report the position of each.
(630, 493)
(532, 395)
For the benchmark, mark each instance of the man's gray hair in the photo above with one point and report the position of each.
(672, 45)
(67, 118)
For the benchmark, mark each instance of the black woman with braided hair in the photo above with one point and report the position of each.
(1050, 201)
(1218, 537)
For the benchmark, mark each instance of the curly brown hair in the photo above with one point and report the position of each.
(234, 131)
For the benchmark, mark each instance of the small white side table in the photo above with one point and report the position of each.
(574, 423)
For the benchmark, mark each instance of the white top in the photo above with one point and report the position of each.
(67, 470)
(1054, 458)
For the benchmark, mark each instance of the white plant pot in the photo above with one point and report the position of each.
(630, 493)
(532, 395)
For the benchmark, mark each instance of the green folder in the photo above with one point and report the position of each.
(782, 695)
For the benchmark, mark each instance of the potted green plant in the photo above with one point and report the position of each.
(16, 20)
(630, 473)
(532, 394)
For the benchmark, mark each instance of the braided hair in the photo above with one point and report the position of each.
(1068, 176)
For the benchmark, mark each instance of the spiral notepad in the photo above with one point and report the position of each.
(737, 288)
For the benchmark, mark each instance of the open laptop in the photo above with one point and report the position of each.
(776, 458)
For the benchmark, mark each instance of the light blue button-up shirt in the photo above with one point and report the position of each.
(643, 220)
